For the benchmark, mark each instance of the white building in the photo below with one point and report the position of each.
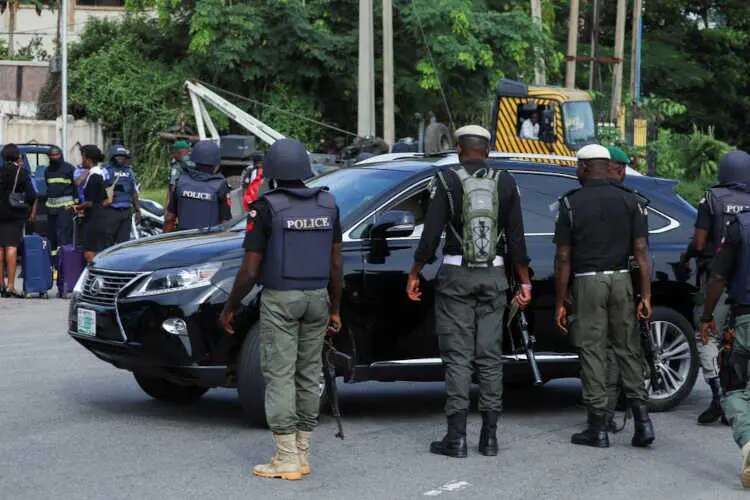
(20, 25)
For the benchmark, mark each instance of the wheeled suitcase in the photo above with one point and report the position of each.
(37, 265)
(70, 264)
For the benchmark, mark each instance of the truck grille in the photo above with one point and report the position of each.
(101, 287)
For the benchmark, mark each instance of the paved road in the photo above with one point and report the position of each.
(72, 426)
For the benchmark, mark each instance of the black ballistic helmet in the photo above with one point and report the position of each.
(734, 167)
(117, 150)
(206, 153)
(287, 160)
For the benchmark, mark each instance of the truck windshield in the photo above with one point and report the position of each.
(579, 123)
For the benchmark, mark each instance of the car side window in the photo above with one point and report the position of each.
(657, 221)
(539, 195)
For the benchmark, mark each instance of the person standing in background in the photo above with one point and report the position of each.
(17, 196)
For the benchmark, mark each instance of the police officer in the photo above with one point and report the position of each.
(731, 266)
(200, 196)
(598, 227)
(179, 162)
(718, 206)
(124, 186)
(62, 196)
(618, 165)
(293, 248)
(470, 299)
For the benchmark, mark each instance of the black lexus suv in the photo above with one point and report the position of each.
(151, 306)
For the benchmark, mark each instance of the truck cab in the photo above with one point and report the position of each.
(542, 120)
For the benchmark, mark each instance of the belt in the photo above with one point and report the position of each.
(597, 273)
(458, 260)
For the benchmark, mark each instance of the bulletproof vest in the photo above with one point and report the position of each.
(298, 255)
(724, 204)
(198, 200)
(61, 190)
(739, 288)
(124, 186)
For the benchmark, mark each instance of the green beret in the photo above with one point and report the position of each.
(618, 155)
(181, 144)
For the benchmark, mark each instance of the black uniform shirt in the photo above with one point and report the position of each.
(601, 224)
(258, 229)
(439, 215)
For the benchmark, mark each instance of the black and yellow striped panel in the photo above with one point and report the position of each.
(506, 131)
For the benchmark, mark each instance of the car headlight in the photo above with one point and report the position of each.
(78, 289)
(175, 280)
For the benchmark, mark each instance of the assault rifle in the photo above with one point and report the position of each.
(528, 341)
(329, 375)
(650, 353)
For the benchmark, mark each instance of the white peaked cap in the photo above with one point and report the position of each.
(593, 152)
(474, 130)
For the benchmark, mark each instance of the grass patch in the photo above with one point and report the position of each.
(159, 194)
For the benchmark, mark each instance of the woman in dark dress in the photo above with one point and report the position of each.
(13, 179)
(97, 233)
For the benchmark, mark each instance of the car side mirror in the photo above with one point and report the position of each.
(547, 128)
(392, 224)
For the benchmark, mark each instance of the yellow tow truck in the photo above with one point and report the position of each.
(540, 120)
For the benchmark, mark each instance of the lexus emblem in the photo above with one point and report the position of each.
(96, 286)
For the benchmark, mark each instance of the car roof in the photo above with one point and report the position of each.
(417, 162)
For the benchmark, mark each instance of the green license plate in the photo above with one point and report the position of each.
(87, 322)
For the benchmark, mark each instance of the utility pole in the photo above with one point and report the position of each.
(619, 52)
(366, 85)
(635, 60)
(594, 39)
(389, 127)
(540, 73)
(570, 72)
(64, 83)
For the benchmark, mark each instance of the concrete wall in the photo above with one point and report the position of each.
(20, 85)
(30, 25)
(24, 130)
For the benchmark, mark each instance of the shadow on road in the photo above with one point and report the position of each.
(402, 399)
(386, 400)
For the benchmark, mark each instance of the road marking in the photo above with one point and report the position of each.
(449, 487)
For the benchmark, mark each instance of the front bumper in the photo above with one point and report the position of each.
(129, 335)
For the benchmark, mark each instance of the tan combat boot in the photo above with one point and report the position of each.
(745, 474)
(303, 447)
(285, 462)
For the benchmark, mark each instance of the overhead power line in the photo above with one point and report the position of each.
(434, 66)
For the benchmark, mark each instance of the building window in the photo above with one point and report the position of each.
(101, 3)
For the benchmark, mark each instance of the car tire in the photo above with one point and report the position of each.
(251, 386)
(437, 138)
(677, 332)
(165, 390)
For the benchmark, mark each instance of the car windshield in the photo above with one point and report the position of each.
(579, 123)
(354, 188)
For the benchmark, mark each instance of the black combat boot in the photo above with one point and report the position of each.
(595, 434)
(454, 442)
(644, 428)
(714, 411)
(611, 424)
(488, 434)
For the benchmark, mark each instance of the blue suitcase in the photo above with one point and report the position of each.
(37, 265)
